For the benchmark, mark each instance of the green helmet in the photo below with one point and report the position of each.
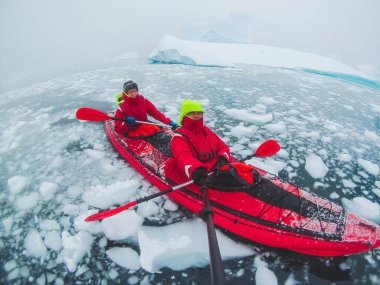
(189, 106)
(119, 99)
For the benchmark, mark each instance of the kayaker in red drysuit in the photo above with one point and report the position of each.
(196, 149)
(135, 107)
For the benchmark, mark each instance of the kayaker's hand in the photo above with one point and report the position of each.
(200, 176)
(174, 125)
(130, 121)
(220, 162)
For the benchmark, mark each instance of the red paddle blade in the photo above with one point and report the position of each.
(89, 114)
(268, 148)
(109, 213)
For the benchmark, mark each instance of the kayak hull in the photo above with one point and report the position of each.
(274, 213)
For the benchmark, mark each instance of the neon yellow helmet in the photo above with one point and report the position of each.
(189, 106)
(119, 99)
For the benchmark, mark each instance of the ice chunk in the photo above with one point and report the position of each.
(278, 128)
(345, 157)
(53, 240)
(47, 190)
(125, 257)
(34, 245)
(182, 245)
(117, 193)
(81, 225)
(315, 166)
(263, 275)
(348, 183)
(75, 248)
(49, 225)
(368, 166)
(147, 209)
(364, 208)
(122, 226)
(7, 223)
(240, 131)
(246, 116)
(18, 183)
(27, 201)
(170, 206)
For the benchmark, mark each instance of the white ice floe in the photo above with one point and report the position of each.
(246, 116)
(344, 157)
(147, 209)
(75, 247)
(49, 225)
(368, 166)
(105, 196)
(348, 183)
(183, 245)
(240, 131)
(18, 183)
(34, 244)
(122, 226)
(364, 208)
(28, 201)
(315, 166)
(264, 276)
(53, 240)
(125, 257)
(47, 190)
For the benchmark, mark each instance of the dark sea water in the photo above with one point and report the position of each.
(311, 113)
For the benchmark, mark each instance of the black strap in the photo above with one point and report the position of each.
(212, 154)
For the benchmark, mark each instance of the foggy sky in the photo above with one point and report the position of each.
(42, 36)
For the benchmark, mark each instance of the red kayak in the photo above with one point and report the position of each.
(274, 212)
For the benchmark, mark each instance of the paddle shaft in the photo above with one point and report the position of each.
(90, 114)
(216, 264)
(112, 212)
(141, 122)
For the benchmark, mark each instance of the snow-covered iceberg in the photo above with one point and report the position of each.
(174, 50)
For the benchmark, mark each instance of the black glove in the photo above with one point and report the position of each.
(200, 176)
(220, 162)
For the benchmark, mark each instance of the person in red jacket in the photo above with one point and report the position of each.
(196, 149)
(137, 108)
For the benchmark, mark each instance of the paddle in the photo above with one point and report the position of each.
(89, 114)
(267, 148)
(216, 264)
(112, 212)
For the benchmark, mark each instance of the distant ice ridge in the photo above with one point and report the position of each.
(174, 50)
(228, 42)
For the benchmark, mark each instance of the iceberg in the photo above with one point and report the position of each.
(174, 50)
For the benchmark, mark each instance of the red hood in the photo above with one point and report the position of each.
(132, 101)
(192, 125)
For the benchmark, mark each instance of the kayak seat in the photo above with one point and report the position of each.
(229, 181)
(160, 141)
